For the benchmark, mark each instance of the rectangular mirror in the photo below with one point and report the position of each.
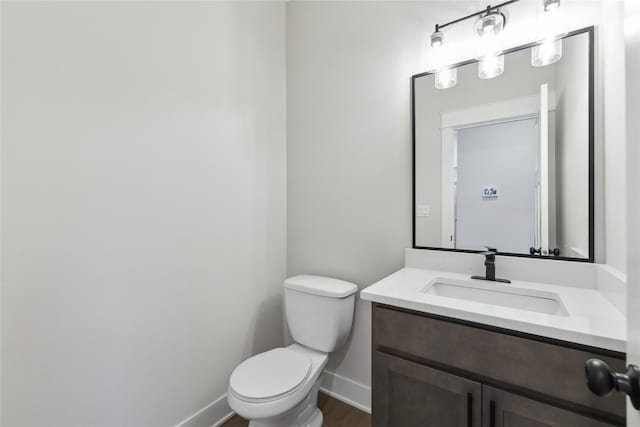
(508, 162)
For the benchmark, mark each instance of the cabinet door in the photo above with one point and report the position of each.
(407, 394)
(504, 409)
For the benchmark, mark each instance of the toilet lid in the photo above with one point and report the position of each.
(270, 374)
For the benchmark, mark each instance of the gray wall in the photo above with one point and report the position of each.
(143, 206)
(349, 143)
(501, 155)
(143, 178)
(349, 151)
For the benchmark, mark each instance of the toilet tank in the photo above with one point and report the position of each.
(319, 310)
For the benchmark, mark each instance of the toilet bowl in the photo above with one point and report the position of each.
(279, 388)
(272, 387)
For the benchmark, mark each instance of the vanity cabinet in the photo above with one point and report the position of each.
(411, 394)
(435, 371)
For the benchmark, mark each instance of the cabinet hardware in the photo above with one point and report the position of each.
(492, 413)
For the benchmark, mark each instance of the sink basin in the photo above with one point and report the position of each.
(497, 294)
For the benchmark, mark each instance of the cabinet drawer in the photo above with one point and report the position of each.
(497, 358)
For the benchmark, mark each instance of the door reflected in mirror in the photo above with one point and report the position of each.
(507, 162)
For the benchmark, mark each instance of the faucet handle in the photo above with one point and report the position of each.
(491, 249)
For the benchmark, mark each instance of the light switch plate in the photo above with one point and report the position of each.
(423, 210)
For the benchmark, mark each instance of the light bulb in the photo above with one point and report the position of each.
(546, 53)
(437, 39)
(446, 78)
(488, 28)
(490, 66)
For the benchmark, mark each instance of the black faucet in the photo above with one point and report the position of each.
(490, 264)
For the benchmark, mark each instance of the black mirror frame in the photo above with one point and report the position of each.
(590, 31)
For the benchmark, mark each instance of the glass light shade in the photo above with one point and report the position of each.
(436, 58)
(490, 66)
(489, 28)
(550, 5)
(437, 39)
(546, 53)
(490, 25)
(438, 53)
(446, 78)
(552, 24)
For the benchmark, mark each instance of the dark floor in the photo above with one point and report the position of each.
(336, 414)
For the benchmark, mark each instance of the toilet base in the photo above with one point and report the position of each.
(304, 414)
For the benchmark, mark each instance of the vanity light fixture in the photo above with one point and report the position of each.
(550, 5)
(490, 66)
(489, 27)
(437, 38)
(552, 27)
(490, 24)
(546, 53)
(446, 77)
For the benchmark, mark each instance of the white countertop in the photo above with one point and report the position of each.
(592, 320)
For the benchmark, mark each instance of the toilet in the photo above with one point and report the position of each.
(279, 388)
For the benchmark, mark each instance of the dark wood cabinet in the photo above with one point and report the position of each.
(434, 371)
(504, 409)
(410, 394)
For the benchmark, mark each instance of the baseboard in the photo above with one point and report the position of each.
(212, 415)
(347, 391)
(336, 386)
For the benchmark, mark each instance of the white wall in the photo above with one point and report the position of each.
(572, 159)
(349, 141)
(613, 72)
(632, 87)
(143, 205)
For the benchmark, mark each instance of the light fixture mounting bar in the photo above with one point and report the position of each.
(473, 15)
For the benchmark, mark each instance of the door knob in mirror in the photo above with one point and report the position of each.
(602, 381)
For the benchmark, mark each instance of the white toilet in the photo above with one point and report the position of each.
(279, 388)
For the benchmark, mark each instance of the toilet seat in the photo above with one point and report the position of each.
(271, 375)
(244, 383)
